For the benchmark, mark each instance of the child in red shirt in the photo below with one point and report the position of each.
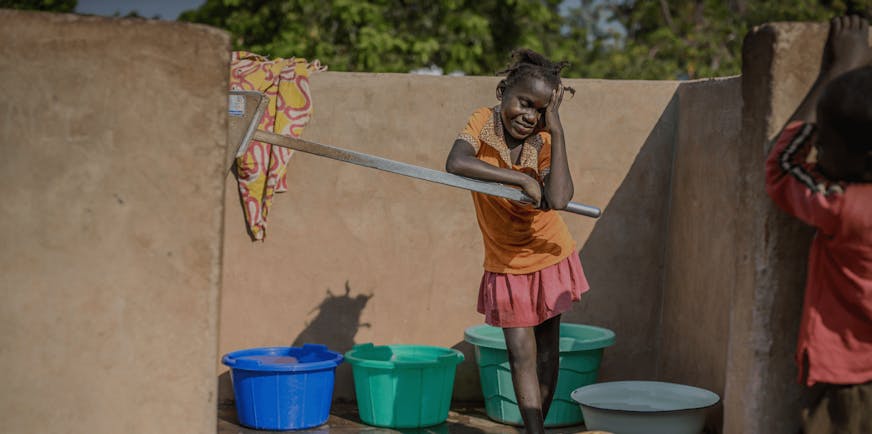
(834, 194)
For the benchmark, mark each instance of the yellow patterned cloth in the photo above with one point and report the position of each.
(262, 170)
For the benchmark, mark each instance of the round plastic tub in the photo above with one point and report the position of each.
(644, 407)
(581, 350)
(283, 388)
(403, 386)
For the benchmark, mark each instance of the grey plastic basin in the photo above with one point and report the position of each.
(644, 407)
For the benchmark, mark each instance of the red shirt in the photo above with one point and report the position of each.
(836, 329)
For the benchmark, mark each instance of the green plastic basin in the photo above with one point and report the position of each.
(403, 386)
(581, 350)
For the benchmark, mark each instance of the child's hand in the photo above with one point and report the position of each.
(847, 46)
(532, 188)
(552, 114)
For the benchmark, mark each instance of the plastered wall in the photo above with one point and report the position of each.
(679, 263)
(701, 250)
(780, 62)
(112, 137)
(355, 255)
(113, 143)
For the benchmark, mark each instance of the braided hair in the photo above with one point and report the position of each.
(527, 63)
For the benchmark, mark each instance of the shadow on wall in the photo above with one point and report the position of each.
(624, 255)
(337, 321)
(781, 309)
(335, 325)
(467, 386)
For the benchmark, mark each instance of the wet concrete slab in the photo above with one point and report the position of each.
(344, 418)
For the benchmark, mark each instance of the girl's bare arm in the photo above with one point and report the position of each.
(461, 161)
(558, 189)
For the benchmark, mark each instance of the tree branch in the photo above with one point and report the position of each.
(667, 16)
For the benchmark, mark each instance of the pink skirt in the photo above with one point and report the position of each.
(526, 300)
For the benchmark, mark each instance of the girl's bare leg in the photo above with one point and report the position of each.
(521, 346)
(548, 359)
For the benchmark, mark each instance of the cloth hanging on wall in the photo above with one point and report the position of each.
(262, 170)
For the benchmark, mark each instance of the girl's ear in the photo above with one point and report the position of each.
(500, 89)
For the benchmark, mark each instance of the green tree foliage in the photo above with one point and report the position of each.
(621, 39)
(40, 5)
(386, 35)
(676, 39)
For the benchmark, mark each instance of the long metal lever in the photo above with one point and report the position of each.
(250, 133)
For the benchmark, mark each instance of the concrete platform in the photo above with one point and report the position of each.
(462, 419)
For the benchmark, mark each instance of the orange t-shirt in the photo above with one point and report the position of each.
(518, 239)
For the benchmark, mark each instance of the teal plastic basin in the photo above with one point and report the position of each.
(581, 351)
(403, 386)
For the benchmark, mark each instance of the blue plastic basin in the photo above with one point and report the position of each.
(283, 388)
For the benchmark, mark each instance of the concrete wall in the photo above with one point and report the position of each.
(668, 260)
(700, 250)
(112, 144)
(780, 62)
(355, 255)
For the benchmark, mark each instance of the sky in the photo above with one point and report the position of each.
(166, 9)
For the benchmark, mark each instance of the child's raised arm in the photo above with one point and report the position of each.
(557, 182)
(847, 48)
(792, 182)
